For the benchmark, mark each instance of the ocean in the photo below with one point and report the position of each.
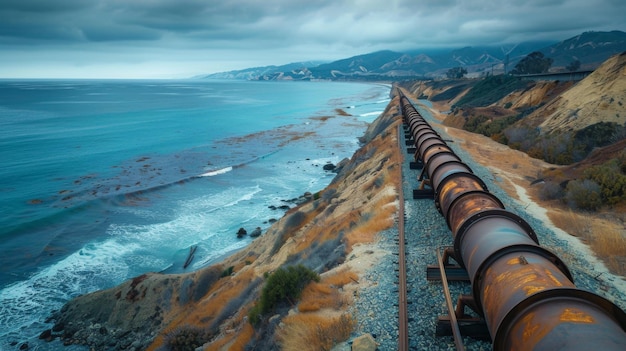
(104, 180)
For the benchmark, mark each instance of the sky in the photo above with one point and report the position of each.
(165, 39)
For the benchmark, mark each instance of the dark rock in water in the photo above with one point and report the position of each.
(256, 232)
(271, 207)
(284, 207)
(46, 335)
(24, 346)
(329, 167)
(58, 327)
(241, 232)
(272, 220)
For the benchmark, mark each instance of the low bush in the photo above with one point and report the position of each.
(597, 135)
(584, 194)
(551, 191)
(227, 272)
(490, 90)
(187, 338)
(611, 180)
(490, 127)
(283, 286)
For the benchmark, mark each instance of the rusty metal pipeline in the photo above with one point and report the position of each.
(524, 292)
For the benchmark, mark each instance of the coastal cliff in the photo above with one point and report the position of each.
(329, 234)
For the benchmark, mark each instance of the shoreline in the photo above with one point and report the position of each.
(356, 212)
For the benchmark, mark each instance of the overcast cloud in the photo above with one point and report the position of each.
(182, 38)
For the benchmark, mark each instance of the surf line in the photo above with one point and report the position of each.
(230, 168)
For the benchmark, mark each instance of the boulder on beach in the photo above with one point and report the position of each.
(241, 232)
(256, 232)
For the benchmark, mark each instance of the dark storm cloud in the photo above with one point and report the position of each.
(280, 31)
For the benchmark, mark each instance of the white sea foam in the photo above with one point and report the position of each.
(370, 114)
(216, 172)
(25, 304)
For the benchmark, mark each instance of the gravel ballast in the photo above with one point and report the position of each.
(426, 231)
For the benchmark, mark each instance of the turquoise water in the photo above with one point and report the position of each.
(104, 180)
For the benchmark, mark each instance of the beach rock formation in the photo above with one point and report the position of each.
(241, 233)
(256, 232)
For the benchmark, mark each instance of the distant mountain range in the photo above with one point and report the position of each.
(589, 48)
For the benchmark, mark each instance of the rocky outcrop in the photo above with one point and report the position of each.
(129, 315)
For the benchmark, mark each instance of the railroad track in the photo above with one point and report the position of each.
(523, 293)
(403, 320)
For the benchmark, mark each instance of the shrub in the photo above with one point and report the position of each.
(490, 90)
(254, 315)
(227, 272)
(187, 338)
(611, 180)
(596, 135)
(284, 285)
(584, 194)
(490, 127)
(475, 122)
(551, 191)
(519, 137)
(621, 161)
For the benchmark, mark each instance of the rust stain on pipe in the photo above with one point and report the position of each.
(525, 292)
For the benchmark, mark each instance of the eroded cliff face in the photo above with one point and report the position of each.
(210, 306)
(550, 106)
(600, 97)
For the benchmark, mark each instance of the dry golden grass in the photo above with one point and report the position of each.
(304, 332)
(321, 233)
(235, 341)
(382, 219)
(243, 338)
(202, 313)
(318, 296)
(605, 239)
(248, 261)
(341, 278)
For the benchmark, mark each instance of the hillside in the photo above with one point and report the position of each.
(574, 133)
(601, 97)
(584, 47)
(590, 49)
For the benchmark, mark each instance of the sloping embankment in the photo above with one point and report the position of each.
(210, 306)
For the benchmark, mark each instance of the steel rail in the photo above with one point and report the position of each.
(403, 329)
